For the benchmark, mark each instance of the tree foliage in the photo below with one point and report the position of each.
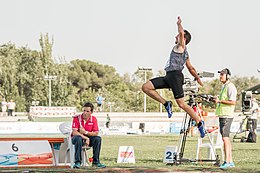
(23, 75)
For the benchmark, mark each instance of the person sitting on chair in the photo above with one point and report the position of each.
(85, 127)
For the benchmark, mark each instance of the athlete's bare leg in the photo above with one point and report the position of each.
(149, 89)
(188, 109)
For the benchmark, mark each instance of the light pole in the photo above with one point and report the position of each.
(50, 78)
(145, 70)
(110, 104)
(161, 93)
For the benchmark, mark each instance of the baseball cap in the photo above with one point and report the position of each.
(225, 71)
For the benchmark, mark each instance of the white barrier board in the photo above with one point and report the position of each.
(126, 154)
(25, 153)
(29, 128)
(54, 111)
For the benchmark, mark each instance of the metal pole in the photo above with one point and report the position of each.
(49, 78)
(145, 76)
(160, 103)
(49, 92)
(144, 93)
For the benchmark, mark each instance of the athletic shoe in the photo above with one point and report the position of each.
(99, 165)
(232, 164)
(76, 165)
(202, 129)
(168, 108)
(226, 165)
(223, 163)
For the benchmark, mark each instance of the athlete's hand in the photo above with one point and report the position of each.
(179, 20)
(200, 82)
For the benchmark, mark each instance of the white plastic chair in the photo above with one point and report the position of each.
(65, 129)
(217, 143)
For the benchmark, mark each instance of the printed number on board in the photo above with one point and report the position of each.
(169, 155)
(14, 148)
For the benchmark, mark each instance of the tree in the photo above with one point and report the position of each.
(22, 74)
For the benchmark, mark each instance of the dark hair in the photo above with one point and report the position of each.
(187, 36)
(88, 104)
(228, 71)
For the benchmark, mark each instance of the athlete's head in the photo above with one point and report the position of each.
(187, 36)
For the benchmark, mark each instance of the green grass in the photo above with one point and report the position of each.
(149, 153)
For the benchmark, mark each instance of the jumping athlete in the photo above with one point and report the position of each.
(174, 78)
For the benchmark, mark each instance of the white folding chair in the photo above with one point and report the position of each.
(65, 129)
(217, 143)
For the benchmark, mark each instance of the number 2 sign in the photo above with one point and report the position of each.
(170, 154)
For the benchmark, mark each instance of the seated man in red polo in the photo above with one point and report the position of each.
(84, 127)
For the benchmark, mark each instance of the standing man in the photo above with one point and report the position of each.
(11, 107)
(174, 78)
(225, 110)
(85, 127)
(107, 121)
(99, 101)
(4, 107)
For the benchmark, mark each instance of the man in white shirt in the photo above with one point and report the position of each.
(11, 107)
(4, 107)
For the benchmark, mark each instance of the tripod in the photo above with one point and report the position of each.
(186, 124)
(243, 130)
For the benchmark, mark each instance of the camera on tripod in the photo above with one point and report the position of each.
(246, 102)
(191, 89)
(190, 86)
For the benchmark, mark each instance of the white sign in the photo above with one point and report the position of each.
(170, 154)
(25, 153)
(126, 154)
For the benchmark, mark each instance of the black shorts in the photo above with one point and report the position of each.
(99, 105)
(173, 80)
(224, 126)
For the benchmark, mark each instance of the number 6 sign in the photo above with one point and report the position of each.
(18, 153)
(169, 154)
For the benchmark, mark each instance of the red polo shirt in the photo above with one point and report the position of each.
(90, 125)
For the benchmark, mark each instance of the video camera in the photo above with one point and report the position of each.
(207, 97)
(247, 102)
(191, 87)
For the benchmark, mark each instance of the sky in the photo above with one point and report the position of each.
(128, 34)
